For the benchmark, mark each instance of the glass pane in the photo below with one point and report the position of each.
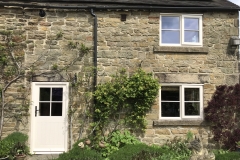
(170, 109)
(170, 93)
(191, 36)
(44, 94)
(192, 109)
(170, 22)
(56, 109)
(44, 109)
(191, 23)
(172, 37)
(191, 94)
(57, 94)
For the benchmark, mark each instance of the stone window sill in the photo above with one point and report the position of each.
(180, 123)
(171, 49)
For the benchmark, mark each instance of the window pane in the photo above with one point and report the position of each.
(170, 22)
(191, 36)
(56, 109)
(192, 109)
(170, 109)
(191, 23)
(44, 109)
(170, 93)
(191, 94)
(44, 94)
(57, 94)
(172, 37)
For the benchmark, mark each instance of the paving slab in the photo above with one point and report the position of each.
(42, 157)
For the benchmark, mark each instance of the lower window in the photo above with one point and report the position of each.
(181, 101)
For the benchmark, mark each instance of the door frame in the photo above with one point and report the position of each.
(32, 114)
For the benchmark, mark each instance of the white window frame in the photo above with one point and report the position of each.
(182, 16)
(182, 114)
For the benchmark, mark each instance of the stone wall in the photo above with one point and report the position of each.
(130, 44)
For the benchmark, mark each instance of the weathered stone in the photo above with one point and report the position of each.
(147, 140)
(150, 133)
(162, 131)
(159, 141)
(182, 78)
(179, 131)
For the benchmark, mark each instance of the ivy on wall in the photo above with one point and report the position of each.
(125, 101)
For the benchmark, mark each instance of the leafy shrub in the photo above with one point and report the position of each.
(124, 146)
(5, 148)
(223, 112)
(226, 155)
(77, 153)
(135, 152)
(18, 141)
(117, 140)
(179, 146)
(17, 137)
(10, 144)
(80, 154)
(177, 149)
(125, 100)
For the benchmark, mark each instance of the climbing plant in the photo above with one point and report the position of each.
(11, 66)
(124, 101)
(15, 73)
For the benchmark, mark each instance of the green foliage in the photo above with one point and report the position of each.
(5, 32)
(20, 149)
(226, 155)
(17, 137)
(238, 143)
(18, 141)
(189, 136)
(179, 147)
(135, 152)
(84, 49)
(9, 145)
(72, 45)
(80, 154)
(124, 146)
(5, 148)
(54, 67)
(3, 59)
(125, 100)
(117, 140)
(59, 35)
(221, 151)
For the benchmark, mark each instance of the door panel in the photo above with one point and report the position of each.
(49, 117)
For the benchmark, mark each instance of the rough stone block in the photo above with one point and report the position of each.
(162, 131)
(147, 140)
(160, 141)
(232, 79)
(179, 131)
(149, 132)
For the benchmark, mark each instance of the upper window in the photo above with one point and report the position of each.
(181, 102)
(180, 30)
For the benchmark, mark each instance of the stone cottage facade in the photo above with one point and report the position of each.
(186, 45)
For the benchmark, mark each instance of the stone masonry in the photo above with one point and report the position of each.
(130, 44)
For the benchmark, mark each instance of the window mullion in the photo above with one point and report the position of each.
(182, 102)
(182, 29)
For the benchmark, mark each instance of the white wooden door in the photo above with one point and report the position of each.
(49, 117)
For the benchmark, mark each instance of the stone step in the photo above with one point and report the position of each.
(42, 157)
